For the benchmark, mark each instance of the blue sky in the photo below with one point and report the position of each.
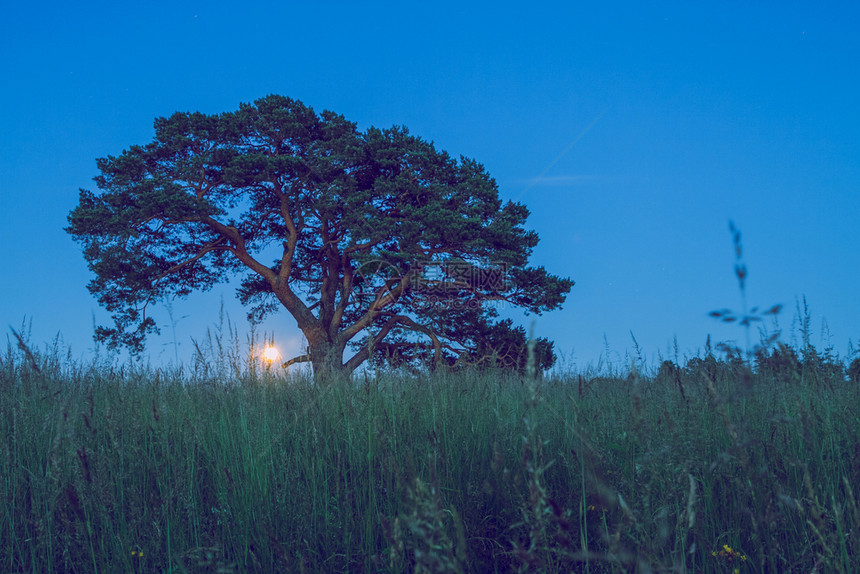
(650, 126)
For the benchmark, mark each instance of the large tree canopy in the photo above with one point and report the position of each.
(375, 242)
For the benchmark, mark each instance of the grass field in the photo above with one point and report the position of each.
(709, 467)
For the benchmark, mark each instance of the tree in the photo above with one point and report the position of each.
(378, 238)
(781, 364)
(854, 371)
(498, 345)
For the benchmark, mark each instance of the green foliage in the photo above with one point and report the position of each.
(781, 363)
(504, 346)
(356, 220)
(498, 345)
(854, 371)
(120, 469)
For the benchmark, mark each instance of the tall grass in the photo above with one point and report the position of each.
(707, 467)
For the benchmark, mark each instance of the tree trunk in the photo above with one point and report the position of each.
(327, 362)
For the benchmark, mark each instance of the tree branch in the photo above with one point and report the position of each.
(364, 353)
(437, 345)
(282, 291)
(381, 301)
(240, 251)
(345, 291)
(299, 359)
(211, 246)
(292, 236)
